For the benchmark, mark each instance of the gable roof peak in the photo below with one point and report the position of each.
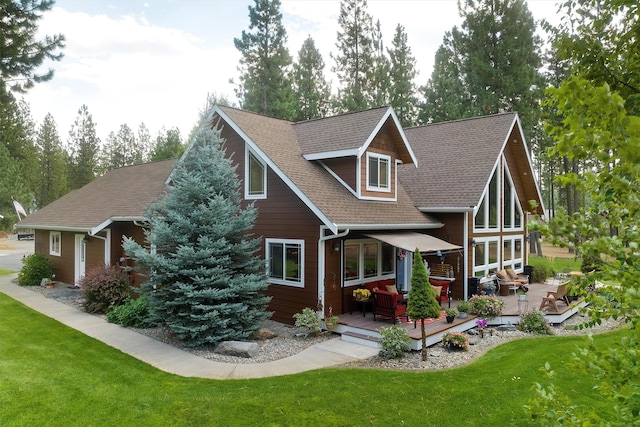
(466, 119)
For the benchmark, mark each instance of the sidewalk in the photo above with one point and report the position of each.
(175, 361)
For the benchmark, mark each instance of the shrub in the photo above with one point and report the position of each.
(103, 287)
(486, 305)
(534, 322)
(464, 306)
(455, 341)
(541, 273)
(35, 267)
(133, 313)
(309, 321)
(395, 342)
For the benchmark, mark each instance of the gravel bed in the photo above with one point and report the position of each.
(278, 341)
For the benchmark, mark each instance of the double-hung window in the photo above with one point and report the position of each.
(255, 179)
(378, 172)
(285, 262)
(55, 243)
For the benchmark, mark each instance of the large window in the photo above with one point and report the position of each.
(255, 177)
(55, 243)
(487, 215)
(367, 259)
(486, 256)
(512, 249)
(378, 172)
(512, 213)
(285, 262)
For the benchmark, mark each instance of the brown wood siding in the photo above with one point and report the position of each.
(283, 216)
(64, 263)
(345, 168)
(126, 229)
(380, 145)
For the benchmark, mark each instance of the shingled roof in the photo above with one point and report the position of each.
(119, 195)
(278, 142)
(456, 159)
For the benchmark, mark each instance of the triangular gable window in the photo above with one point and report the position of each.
(487, 215)
(512, 212)
(255, 180)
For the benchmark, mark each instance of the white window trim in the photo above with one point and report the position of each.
(513, 261)
(485, 196)
(284, 242)
(377, 188)
(247, 177)
(486, 267)
(52, 250)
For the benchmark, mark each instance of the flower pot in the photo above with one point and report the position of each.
(49, 285)
(463, 315)
(450, 319)
(522, 297)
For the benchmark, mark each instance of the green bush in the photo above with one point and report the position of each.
(309, 321)
(35, 267)
(395, 342)
(104, 287)
(534, 322)
(455, 341)
(133, 313)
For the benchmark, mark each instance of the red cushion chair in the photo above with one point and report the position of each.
(387, 305)
(445, 291)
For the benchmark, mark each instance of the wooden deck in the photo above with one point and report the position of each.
(364, 330)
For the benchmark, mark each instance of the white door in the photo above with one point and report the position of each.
(80, 258)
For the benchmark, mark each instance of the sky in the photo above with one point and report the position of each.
(155, 61)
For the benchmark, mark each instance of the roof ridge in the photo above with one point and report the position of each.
(486, 116)
(255, 114)
(341, 115)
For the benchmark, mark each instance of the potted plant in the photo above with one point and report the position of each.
(463, 308)
(330, 320)
(489, 288)
(522, 292)
(450, 314)
(361, 294)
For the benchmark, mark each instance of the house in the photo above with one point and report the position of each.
(343, 200)
(85, 227)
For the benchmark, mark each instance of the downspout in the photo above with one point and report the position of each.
(321, 261)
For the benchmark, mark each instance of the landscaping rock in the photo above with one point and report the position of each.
(238, 349)
(264, 334)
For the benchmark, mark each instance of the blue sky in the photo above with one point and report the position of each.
(155, 61)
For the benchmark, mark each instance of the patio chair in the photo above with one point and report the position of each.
(387, 304)
(552, 298)
(445, 290)
(509, 279)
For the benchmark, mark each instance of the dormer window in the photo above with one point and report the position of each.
(255, 182)
(378, 172)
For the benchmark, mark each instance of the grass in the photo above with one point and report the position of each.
(54, 375)
(4, 271)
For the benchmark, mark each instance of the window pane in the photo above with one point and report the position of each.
(370, 259)
(493, 252)
(479, 255)
(256, 176)
(384, 173)
(507, 250)
(493, 202)
(480, 217)
(518, 249)
(388, 258)
(351, 262)
(373, 171)
(293, 262)
(518, 216)
(507, 202)
(276, 269)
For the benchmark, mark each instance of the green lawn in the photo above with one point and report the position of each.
(53, 375)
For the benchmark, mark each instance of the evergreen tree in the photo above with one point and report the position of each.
(122, 149)
(498, 55)
(20, 53)
(53, 163)
(354, 60)
(207, 279)
(168, 145)
(144, 144)
(84, 148)
(422, 302)
(311, 90)
(379, 82)
(265, 87)
(402, 93)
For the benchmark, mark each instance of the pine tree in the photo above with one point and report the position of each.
(53, 163)
(354, 60)
(84, 148)
(402, 93)
(265, 87)
(20, 53)
(379, 82)
(422, 302)
(168, 145)
(311, 90)
(207, 279)
(122, 149)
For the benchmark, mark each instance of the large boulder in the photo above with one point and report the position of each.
(238, 349)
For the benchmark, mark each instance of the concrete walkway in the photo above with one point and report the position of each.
(175, 361)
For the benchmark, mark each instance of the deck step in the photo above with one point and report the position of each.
(361, 339)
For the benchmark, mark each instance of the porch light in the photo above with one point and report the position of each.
(473, 243)
(336, 246)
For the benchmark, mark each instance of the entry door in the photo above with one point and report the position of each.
(80, 258)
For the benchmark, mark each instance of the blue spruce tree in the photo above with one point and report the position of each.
(206, 280)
